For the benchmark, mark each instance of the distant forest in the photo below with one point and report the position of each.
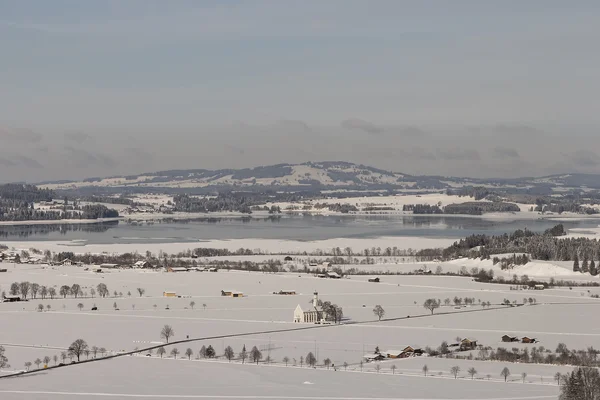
(17, 203)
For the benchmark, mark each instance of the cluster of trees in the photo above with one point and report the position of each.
(511, 262)
(27, 289)
(222, 202)
(78, 349)
(422, 209)
(337, 207)
(480, 207)
(581, 384)
(3, 358)
(477, 192)
(562, 355)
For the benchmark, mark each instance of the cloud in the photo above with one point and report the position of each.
(294, 125)
(5, 162)
(583, 158)
(28, 162)
(361, 125)
(410, 131)
(78, 137)
(416, 153)
(20, 134)
(459, 154)
(83, 158)
(505, 152)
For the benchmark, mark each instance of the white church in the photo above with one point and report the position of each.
(313, 315)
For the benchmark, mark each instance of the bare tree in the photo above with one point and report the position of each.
(286, 360)
(102, 351)
(95, 351)
(255, 354)
(47, 360)
(202, 352)
(64, 291)
(311, 360)
(425, 369)
(505, 373)
(40, 307)
(379, 312)
(24, 288)
(557, 378)
(37, 363)
(75, 290)
(228, 353)
(523, 376)
(48, 307)
(141, 291)
(472, 371)
(161, 351)
(327, 362)
(77, 348)
(189, 353)
(34, 290)
(52, 292)
(3, 359)
(455, 370)
(431, 304)
(167, 332)
(27, 365)
(43, 292)
(243, 354)
(55, 359)
(393, 368)
(92, 292)
(175, 352)
(345, 366)
(192, 304)
(80, 306)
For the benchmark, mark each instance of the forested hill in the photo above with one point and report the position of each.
(311, 176)
(525, 244)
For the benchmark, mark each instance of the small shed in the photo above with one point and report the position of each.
(109, 266)
(539, 287)
(169, 294)
(376, 280)
(528, 340)
(333, 275)
(508, 339)
(142, 264)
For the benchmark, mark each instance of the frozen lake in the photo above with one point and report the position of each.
(302, 228)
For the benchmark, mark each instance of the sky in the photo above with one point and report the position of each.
(462, 88)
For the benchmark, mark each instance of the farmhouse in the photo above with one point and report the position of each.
(407, 351)
(507, 339)
(373, 357)
(231, 293)
(142, 264)
(467, 344)
(66, 261)
(10, 298)
(313, 315)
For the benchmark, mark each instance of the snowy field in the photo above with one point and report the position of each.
(560, 316)
(151, 378)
